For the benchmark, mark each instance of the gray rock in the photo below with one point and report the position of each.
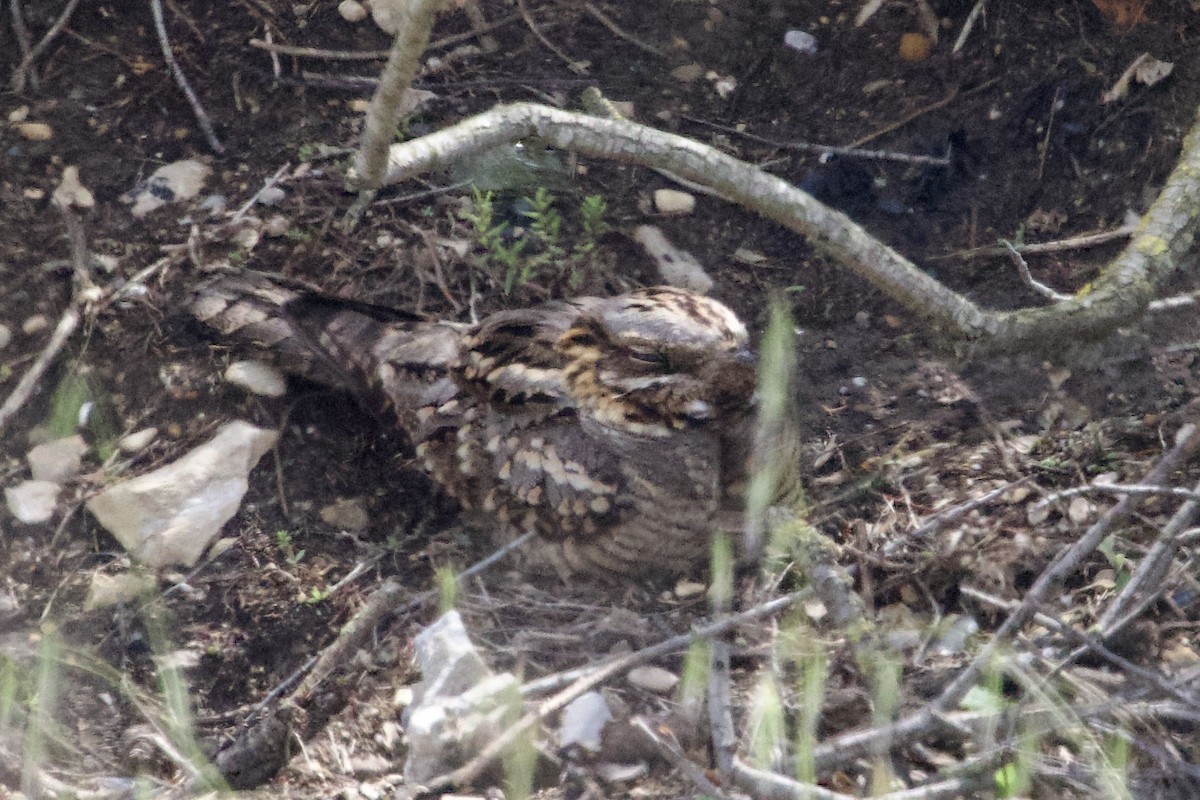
(257, 377)
(583, 722)
(58, 460)
(32, 502)
(169, 516)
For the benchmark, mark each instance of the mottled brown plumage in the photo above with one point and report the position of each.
(612, 427)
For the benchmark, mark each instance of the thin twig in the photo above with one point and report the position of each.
(28, 57)
(24, 43)
(850, 745)
(377, 55)
(573, 65)
(1123, 488)
(968, 25)
(825, 149)
(669, 749)
(1027, 276)
(1060, 245)
(1147, 583)
(181, 80)
(616, 30)
(953, 95)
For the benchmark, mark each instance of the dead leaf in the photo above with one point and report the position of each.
(1145, 69)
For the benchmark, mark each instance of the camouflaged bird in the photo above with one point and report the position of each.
(614, 428)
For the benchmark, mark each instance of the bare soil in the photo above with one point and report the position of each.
(897, 432)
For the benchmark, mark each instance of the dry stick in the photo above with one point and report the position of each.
(470, 771)
(383, 604)
(1123, 488)
(1060, 245)
(766, 785)
(28, 57)
(968, 25)
(1027, 276)
(181, 80)
(404, 61)
(616, 30)
(573, 65)
(954, 94)
(23, 42)
(378, 55)
(83, 291)
(855, 743)
(825, 149)
(670, 750)
(1155, 679)
(1146, 584)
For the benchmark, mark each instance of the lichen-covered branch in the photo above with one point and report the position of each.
(1119, 296)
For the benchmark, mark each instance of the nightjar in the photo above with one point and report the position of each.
(614, 428)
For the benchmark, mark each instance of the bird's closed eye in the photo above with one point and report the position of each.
(650, 357)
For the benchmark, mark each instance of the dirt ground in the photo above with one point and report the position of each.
(896, 431)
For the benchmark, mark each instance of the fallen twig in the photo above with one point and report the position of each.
(826, 149)
(577, 67)
(1027, 276)
(181, 80)
(855, 743)
(669, 749)
(1079, 242)
(28, 56)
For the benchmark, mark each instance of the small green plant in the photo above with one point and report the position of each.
(447, 584)
(317, 594)
(521, 255)
(287, 546)
(307, 151)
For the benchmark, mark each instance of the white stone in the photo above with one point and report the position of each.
(257, 377)
(32, 502)
(673, 201)
(5, 336)
(447, 658)
(169, 516)
(583, 722)
(138, 440)
(460, 705)
(653, 679)
(179, 180)
(352, 11)
(108, 590)
(35, 324)
(58, 460)
(446, 732)
(675, 266)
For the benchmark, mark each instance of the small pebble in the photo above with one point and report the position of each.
(673, 201)
(271, 196)
(858, 382)
(347, 514)
(653, 679)
(58, 460)
(257, 378)
(862, 320)
(32, 502)
(915, 47)
(352, 11)
(35, 324)
(138, 440)
(35, 131)
(687, 73)
(801, 41)
(5, 336)
(276, 226)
